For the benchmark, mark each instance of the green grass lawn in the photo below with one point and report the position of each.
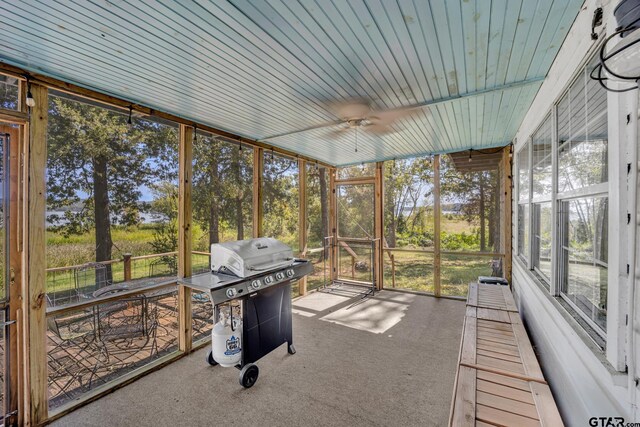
(414, 271)
(63, 250)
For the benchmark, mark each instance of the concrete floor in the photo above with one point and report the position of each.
(387, 360)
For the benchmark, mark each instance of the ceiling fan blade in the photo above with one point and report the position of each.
(353, 109)
(386, 117)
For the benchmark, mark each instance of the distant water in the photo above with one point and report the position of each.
(145, 218)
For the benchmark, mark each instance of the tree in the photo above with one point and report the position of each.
(317, 207)
(475, 194)
(408, 184)
(222, 186)
(280, 198)
(97, 167)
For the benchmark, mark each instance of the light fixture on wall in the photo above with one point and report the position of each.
(596, 21)
(470, 159)
(621, 63)
(29, 100)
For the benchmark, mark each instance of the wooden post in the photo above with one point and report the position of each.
(379, 223)
(506, 234)
(35, 257)
(302, 218)
(436, 226)
(393, 270)
(185, 165)
(258, 176)
(126, 260)
(333, 225)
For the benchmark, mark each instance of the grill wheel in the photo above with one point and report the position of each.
(249, 375)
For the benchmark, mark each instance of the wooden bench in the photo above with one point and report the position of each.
(499, 381)
(495, 297)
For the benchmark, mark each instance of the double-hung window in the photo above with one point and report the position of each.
(582, 198)
(541, 192)
(562, 200)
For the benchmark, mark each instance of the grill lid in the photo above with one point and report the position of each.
(245, 258)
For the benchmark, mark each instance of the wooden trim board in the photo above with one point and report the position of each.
(35, 257)
(185, 165)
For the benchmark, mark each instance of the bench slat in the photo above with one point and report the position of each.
(491, 296)
(546, 405)
(507, 405)
(464, 413)
(503, 418)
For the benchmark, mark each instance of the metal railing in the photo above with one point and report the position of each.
(104, 327)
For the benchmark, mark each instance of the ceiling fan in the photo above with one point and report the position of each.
(357, 113)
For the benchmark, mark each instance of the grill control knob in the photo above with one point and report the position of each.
(280, 276)
(231, 292)
(289, 273)
(268, 279)
(256, 284)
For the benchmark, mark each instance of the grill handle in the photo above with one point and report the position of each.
(285, 263)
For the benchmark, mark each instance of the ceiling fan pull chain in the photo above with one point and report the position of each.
(356, 130)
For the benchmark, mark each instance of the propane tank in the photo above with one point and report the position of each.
(226, 338)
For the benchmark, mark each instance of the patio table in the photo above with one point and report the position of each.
(144, 298)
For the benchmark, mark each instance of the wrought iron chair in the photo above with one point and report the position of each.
(72, 341)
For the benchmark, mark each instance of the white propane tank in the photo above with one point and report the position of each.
(226, 342)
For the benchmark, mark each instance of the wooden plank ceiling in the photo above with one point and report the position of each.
(272, 70)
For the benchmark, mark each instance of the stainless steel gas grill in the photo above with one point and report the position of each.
(250, 288)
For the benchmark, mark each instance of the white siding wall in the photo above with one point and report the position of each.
(585, 380)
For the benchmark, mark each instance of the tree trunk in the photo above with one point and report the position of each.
(239, 195)
(392, 230)
(102, 219)
(214, 235)
(324, 208)
(239, 218)
(483, 238)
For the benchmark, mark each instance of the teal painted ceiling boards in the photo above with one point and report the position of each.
(274, 70)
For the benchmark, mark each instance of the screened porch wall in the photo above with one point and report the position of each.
(172, 190)
(468, 211)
